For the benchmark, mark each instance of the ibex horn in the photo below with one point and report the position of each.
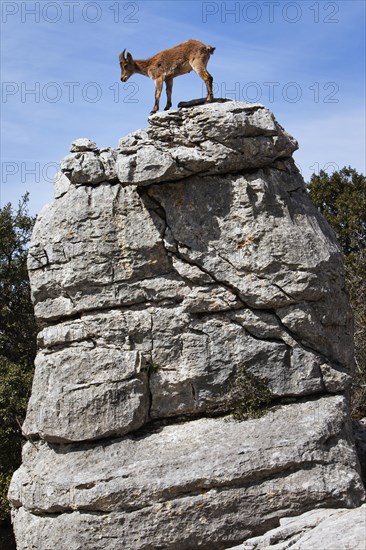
(123, 54)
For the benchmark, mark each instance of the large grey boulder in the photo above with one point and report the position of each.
(328, 528)
(179, 278)
(200, 484)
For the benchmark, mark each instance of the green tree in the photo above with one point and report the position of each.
(17, 340)
(356, 282)
(17, 326)
(341, 197)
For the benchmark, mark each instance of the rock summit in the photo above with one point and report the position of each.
(192, 375)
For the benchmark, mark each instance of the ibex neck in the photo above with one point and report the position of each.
(142, 66)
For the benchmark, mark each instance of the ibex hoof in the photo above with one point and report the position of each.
(209, 100)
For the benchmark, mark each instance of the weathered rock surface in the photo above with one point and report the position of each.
(359, 431)
(325, 528)
(227, 477)
(165, 272)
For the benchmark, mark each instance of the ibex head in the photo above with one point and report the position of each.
(127, 65)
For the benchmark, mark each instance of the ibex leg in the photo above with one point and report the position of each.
(169, 88)
(158, 88)
(207, 78)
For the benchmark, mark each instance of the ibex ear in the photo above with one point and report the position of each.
(129, 57)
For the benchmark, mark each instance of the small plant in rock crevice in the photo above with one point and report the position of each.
(249, 396)
(154, 367)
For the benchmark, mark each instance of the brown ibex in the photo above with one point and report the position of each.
(166, 65)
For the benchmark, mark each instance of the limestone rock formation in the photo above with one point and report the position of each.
(324, 528)
(359, 431)
(176, 277)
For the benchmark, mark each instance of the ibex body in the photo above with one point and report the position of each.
(166, 65)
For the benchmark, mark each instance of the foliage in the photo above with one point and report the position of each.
(341, 197)
(4, 504)
(356, 282)
(249, 396)
(17, 339)
(17, 326)
(15, 385)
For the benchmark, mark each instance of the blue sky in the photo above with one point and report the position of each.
(305, 60)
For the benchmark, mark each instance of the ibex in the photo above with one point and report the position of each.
(166, 65)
